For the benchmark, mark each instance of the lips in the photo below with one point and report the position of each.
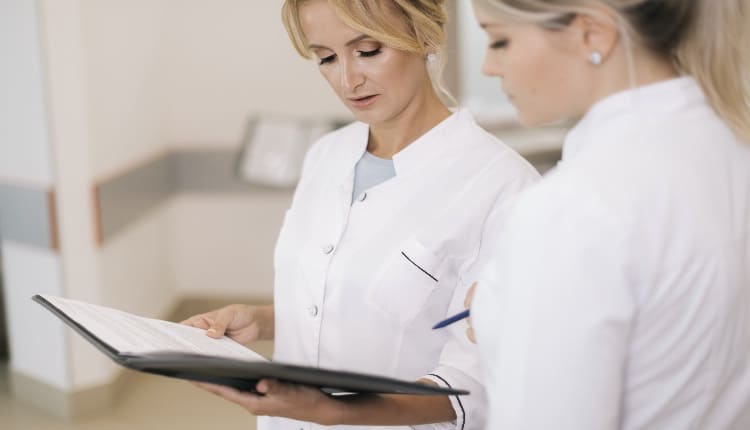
(363, 101)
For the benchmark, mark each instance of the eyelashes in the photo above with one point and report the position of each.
(500, 44)
(366, 54)
(328, 59)
(371, 53)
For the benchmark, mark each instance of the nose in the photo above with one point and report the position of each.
(351, 76)
(490, 66)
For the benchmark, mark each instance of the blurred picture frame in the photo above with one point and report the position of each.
(273, 149)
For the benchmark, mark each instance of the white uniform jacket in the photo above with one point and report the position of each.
(620, 298)
(358, 286)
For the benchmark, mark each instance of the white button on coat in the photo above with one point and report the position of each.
(399, 267)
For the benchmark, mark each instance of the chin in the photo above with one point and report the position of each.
(528, 120)
(371, 116)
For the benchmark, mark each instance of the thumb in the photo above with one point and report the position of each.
(219, 326)
(269, 386)
(470, 295)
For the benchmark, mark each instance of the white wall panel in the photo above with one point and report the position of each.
(37, 339)
(24, 148)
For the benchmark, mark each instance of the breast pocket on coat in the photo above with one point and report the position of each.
(406, 282)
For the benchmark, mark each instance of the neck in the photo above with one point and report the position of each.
(623, 73)
(419, 116)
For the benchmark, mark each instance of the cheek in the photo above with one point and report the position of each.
(521, 74)
(398, 74)
(331, 76)
(552, 94)
(412, 75)
(492, 64)
(389, 67)
(538, 73)
(563, 86)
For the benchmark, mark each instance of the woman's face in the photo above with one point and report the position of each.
(374, 81)
(541, 70)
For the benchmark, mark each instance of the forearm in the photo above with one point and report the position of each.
(385, 410)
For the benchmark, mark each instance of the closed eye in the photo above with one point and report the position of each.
(372, 53)
(328, 59)
(500, 44)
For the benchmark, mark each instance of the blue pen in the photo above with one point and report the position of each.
(451, 320)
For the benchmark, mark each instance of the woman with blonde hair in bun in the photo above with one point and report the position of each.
(384, 234)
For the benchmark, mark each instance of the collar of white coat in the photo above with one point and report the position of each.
(425, 148)
(622, 107)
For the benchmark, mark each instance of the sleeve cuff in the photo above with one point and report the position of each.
(470, 409)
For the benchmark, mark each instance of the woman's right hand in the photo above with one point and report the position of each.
(243, 323)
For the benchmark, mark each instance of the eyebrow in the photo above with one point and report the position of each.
(349, 43)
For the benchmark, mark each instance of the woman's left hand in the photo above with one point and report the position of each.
(282, 400)
(467, 303)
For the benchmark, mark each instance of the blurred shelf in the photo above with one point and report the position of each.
(541, 146)
(533, 140)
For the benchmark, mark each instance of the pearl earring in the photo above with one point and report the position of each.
(431, 57)
(595, 58)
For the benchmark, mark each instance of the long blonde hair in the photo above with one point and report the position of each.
(422, 30)
(706, 39)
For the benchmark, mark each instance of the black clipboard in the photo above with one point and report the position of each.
(244, 375)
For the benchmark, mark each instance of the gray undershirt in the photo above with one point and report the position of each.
(371, 171)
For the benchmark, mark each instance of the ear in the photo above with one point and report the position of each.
(598, 30)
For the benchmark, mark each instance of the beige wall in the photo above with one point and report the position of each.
(166, 73)
(226, 61)
(230, 59)
(188, 72)
(126, 81)
(223, 245)
(124, 67)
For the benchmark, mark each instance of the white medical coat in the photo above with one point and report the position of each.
(358, 286)
(620, 298)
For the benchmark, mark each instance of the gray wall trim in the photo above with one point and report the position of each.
(201, 171)
(130, 196)
(27, 216)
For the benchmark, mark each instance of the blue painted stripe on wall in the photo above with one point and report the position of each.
(26, 216)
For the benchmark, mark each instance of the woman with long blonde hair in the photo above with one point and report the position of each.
(620, 293)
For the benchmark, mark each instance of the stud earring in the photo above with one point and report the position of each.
(595, 58)
(431, 58)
